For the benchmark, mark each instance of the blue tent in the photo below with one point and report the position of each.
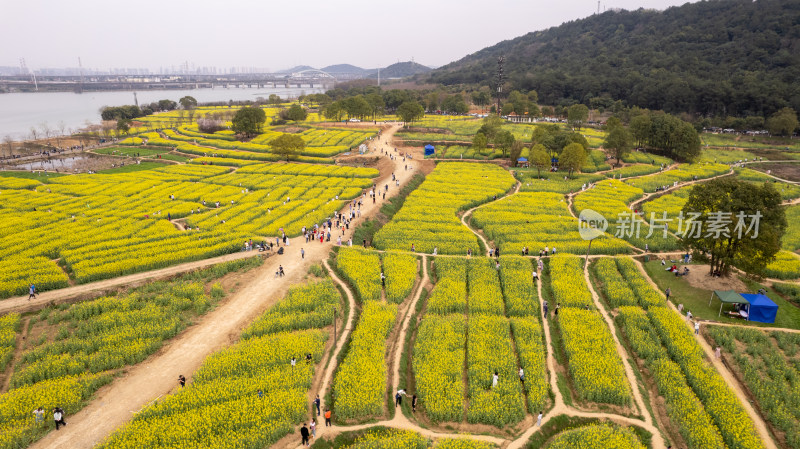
(429, 150)
(761, 309)
(522, 159)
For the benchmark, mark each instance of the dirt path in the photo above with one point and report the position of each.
(650, 195)
(115, 404)
(759, 423)
(84, 291)
(623, 354)
(466, 214)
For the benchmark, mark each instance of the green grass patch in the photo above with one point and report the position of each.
(39, 176)
(696, 299)
(132, 151)
(133, 168)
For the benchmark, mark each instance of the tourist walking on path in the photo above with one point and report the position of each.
(545, 309)
(181, 380)
(667, 292)
(302, 253)
(697, 327)
(327, 417)
(304, 435)
(316, 403)
(313, 428)
(58, 417)
(31, 292)
(718, 353)
(539, 420)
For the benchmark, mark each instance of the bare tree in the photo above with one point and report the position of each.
(46, 131)
(62, 129)
(34, 133)
(9, 141)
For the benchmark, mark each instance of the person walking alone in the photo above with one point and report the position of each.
(667, 292)
(316, 403)
(302, 253)
(697, 327)
(327, 417)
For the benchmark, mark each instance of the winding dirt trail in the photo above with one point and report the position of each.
(760, 425)
(93, 289)
(115, 404)
(470, 211)
(637, 396)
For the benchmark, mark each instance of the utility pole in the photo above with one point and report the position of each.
(135, 100)
(379, 76)
(80, 70)
(500, 79)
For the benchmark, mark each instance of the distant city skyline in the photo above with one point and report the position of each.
(155, 36)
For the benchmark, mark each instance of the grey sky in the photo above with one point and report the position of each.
(273, 34)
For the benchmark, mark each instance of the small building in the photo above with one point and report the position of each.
(430, 150)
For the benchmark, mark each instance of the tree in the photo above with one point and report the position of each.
(188, 102)
(166, 105)
(296, 113)
(376, 104)
(334, 111)
(577, 115)
(248, 121)
(356, 106)
(504, 140)
(740, 201)
(274, 99)
(455, 104)
(640, 129)
(123, 126)
(783, 122)
(479, 141)
(410, 111)
(618, 140)
(432, 101)
(572, 157)
(516, 150)
(539, 158)
(288, 145)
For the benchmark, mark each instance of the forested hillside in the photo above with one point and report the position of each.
(732, 57)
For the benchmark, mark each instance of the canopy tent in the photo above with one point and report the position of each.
(522, 159)
(727, 297)
(429, 150)
(761, 309)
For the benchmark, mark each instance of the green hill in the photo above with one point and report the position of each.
(731, 57)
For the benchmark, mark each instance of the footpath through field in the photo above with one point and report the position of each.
(157, 376)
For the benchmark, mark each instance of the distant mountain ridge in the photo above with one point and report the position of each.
(396, 70)
(732, 57)
(400, 70)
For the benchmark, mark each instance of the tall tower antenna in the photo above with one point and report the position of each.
(80, 70)
(500, 79)
(598, 6)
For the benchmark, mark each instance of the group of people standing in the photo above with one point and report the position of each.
(58, 416)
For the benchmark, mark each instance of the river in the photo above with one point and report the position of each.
(21, 111)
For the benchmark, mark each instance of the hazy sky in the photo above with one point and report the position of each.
(273, 34)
